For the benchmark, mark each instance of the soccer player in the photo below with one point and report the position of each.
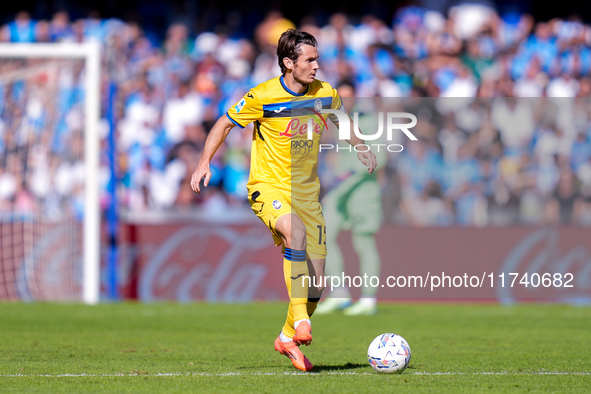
(283, 186)
(355, 203)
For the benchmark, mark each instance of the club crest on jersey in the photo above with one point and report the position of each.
(239, 106)
(276, 204)
(317, 105)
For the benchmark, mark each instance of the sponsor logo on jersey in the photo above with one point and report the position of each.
(301, 146)
(276, 204)
(279, 110)
(239, 106)
(297, 126)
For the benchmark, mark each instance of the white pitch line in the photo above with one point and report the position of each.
(166, 374)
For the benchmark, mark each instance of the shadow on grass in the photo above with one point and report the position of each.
(344, 367)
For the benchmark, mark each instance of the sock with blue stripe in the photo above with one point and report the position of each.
(296, 274)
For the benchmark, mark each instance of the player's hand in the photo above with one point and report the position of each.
(202, 171)
(368, 159)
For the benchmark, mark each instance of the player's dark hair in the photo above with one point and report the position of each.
(346, 83)
(289, 43)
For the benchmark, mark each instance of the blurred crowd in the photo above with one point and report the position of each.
(471, 165)
(41, 139)
(491, 161)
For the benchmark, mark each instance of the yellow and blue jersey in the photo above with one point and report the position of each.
(282, 155)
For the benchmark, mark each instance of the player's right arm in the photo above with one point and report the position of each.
(245, 111)
(216, 136)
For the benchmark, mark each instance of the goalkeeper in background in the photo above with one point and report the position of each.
(354, 204)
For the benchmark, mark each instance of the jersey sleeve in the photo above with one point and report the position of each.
(247, 110)
(337, 103)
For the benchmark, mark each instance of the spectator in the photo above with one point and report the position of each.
(22, 29)
(60, 29)
(183, 115)
(565, 203)
(428, 209)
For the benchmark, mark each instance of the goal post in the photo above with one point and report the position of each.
(89, 53)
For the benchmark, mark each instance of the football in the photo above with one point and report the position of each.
(389, 353)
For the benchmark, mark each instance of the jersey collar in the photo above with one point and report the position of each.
(288, 90)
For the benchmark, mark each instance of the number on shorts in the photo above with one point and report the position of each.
(321, 230)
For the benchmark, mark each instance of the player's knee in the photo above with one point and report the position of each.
(298, 238)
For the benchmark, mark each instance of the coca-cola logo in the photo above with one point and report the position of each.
(212, 264)
(539, 255)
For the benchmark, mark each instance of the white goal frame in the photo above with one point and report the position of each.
(90, 53)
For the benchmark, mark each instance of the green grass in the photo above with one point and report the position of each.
(217, 347)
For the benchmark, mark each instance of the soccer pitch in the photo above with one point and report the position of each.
(132, 347)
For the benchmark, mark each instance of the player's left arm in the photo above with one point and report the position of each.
(367, 158)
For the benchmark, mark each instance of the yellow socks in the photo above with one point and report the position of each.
(295, 271)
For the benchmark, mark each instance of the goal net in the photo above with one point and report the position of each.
(49, 211)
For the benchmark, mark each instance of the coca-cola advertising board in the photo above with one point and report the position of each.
(239, 263)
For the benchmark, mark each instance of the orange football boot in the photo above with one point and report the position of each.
(303, 334)
(291, 351)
